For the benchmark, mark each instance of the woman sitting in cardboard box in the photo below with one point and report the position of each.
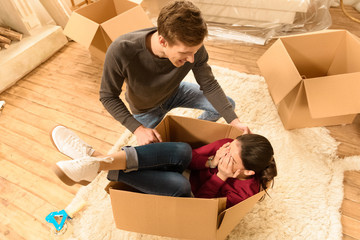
(232, 168)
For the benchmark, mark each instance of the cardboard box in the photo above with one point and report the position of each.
(314, 78)
(184, 218)
(97, 25)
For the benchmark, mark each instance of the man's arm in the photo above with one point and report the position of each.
(111, 87)
(213, 91)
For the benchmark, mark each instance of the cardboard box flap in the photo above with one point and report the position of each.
(124, 5)
(233, 215)
(196, 133)
(275, 60)
(333, 96)
(81, 29)
(99, 11)
(313, 54)
(347, 55)
(165, 216)
(131, 20)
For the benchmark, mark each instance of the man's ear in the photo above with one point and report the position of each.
(249, 172)
(162, 41)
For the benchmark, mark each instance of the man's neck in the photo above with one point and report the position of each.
(153, 45)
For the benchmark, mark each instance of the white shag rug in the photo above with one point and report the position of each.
(307, 194)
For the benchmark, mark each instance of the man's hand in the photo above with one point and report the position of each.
(236, 123)
(147, 135)
(225, 168)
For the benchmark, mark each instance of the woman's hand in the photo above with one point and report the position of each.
(225, 168)
(221, 152)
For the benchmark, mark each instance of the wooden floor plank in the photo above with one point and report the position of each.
(6, 232)
(28, 131)
(67, 119)
(27, 146)
(346, 237)
(351, 208)
(352, 178)
(26, 201)
(35, 165)
(352, 193)
(45, 125)
(66, 84)
(34, 184)
(22, 224)
(78, 98)
(351, 227)
(88, 118)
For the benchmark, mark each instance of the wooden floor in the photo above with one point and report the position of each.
(64, 90)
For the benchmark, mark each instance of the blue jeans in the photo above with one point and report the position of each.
(188, 95)
(160, 167)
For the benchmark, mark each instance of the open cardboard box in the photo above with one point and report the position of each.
(314, 78)
(97, 25)
(184, 218)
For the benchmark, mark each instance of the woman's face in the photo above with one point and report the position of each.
(235, 151)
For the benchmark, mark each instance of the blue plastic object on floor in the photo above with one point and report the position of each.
(51, 219)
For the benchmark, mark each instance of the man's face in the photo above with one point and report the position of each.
(179, 54)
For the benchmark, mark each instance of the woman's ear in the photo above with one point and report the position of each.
(249, 172)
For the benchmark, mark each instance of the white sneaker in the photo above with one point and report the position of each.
(68, 143)
(82, 170)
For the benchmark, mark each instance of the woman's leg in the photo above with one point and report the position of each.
(159, 169)
(156, 182)
(160, 156)
(166, 156)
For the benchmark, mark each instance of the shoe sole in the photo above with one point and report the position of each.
(64, 178)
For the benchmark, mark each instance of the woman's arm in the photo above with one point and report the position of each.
(234, 193)
(210, 188)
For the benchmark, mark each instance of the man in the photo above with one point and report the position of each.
(153, 62)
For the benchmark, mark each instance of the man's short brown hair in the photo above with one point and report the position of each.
(182, 21)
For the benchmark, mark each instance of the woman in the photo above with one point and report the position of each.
(232, 168)
(235, 169)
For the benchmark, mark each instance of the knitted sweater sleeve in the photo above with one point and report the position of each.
(111, 87)
(211, 88)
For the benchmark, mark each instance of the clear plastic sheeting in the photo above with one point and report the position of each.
(255, 21)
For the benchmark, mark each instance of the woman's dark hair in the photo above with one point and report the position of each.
(257, 154)
(182, 21)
